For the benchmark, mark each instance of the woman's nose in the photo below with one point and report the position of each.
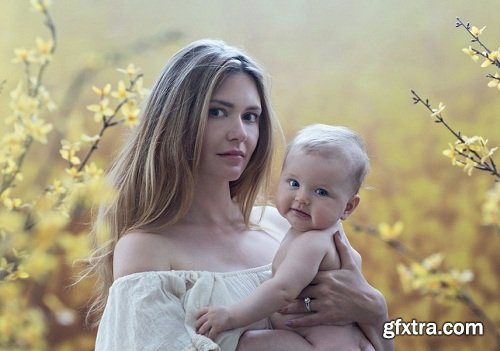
(237, 130)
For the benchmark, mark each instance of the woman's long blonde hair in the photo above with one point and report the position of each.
(155, 172)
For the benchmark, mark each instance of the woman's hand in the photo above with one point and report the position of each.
(340, 296)
(343, 296)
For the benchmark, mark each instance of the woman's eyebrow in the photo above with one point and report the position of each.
(231, 105)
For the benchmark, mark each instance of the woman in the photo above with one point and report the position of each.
(181, 233)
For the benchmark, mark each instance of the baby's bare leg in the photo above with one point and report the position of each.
(273, 340)
(328, 337)
(336, 338)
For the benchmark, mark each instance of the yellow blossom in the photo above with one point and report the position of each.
(438, 111)
(433, 261)
(462, 277)
(131, 70)
(45, 98)
(451, 153)
(40, 263)
(427, 278)
(101, 110)
(486, 63)
(12, 204)
(73, 172)
(38, 129)
(102, 92)
(19, 273)
(473, 143)
(96, 191)
(24, 55)
(495, 82)
(14, 143)
(476, 31)
(40, 5)
(10, 167)
(388, 232)
(69, 150)
(473, 55)
(24, 105)
(490, 58)
(90, 139)
(76, 247)
(57, 187)
(49, 226)
(93, 171)
(44, 48)
(469, 166)
(121, 92)
(67, 155)
(131, 114)
(138, 88)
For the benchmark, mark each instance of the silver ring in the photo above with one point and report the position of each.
(307, 302)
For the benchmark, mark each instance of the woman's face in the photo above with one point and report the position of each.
(232, 129)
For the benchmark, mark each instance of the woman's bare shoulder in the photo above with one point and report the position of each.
(140, 252)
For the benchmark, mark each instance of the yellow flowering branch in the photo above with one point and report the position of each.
(40, 236)
(108, 122)
(473, 151)
(46, 49)
(389, 236)
(491, 57)
(35, 128)
(425, 275)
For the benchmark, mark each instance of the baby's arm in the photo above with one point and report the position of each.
(295, 272)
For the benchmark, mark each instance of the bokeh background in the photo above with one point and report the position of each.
(350, 63)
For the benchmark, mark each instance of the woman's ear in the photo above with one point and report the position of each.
(350, 206)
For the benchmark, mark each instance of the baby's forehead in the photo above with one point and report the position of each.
(330, 152)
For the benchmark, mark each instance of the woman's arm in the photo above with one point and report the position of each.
(344, 296)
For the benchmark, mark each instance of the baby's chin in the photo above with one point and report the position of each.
(299, 225)
(306, 226)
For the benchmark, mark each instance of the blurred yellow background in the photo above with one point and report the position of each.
(350, 63)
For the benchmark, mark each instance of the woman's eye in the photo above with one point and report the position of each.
(293, 183)
(250, 117)
(321, 192)
(216, 112)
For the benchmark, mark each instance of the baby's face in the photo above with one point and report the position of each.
(313, 190)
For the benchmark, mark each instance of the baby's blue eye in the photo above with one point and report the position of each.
(293, 183)
(321, 192)
(216, 112)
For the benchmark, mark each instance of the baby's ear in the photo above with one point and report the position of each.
(350, 206)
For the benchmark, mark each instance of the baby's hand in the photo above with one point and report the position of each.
(212, 320)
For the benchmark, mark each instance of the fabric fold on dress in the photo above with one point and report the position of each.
(157, 310)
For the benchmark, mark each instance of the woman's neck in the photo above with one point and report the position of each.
(212, 206)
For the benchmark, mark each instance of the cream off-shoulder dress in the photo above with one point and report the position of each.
(156, 310)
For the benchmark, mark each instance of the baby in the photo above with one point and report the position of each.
(323, 170)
